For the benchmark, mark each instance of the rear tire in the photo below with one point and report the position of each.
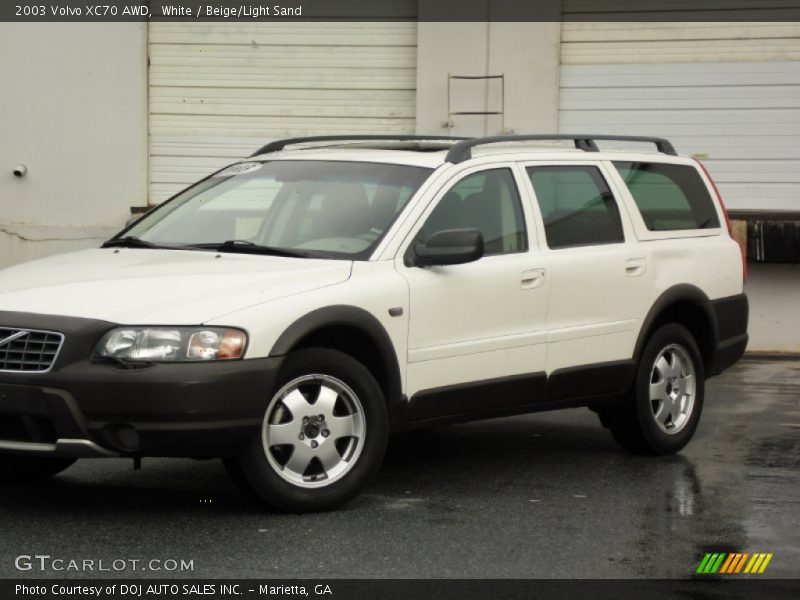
(662, 410)
(323, 437)
(21, 469)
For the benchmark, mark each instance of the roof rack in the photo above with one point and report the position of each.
(279, 145)
(462, 147)
(462, 151)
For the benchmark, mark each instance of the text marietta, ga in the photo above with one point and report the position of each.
(253, 11)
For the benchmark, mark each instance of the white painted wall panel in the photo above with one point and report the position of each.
(745, 116)
(618, 42)
(220, 90)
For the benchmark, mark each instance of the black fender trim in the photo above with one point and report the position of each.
(679, 293)
(351, 316)
(727, 318)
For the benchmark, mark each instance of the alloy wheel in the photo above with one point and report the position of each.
(314, 431)
(672, 389)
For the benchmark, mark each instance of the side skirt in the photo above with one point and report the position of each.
(591, 385)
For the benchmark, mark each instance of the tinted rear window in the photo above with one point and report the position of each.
(577, 207)
(669, 197)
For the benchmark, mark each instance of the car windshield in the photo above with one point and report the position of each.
(327, 209)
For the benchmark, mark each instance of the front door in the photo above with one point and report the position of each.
(478, 327)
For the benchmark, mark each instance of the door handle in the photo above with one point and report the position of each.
(635, 267)
(532, 278)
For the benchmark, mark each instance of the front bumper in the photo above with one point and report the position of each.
(81, 408)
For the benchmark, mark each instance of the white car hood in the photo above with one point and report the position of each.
(159, 287)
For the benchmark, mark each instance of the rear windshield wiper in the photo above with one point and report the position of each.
(248, 247)
(130, 241)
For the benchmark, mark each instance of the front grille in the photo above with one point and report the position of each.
(29, 351)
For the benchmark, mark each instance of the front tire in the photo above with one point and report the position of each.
(22, 469)
(323, 436)
(661, 412)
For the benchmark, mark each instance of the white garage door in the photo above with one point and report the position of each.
(220, 90)
(726, 91)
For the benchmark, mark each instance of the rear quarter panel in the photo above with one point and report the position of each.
(709, 259)
(712, 264)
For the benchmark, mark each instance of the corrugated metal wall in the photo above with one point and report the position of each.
(730, 91)
(219, 90)
(616, 42)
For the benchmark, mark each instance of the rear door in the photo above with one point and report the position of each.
(600, 276)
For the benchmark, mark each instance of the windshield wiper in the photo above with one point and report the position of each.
(248, 247)
(130, 241)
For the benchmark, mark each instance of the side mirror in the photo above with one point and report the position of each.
(449, 247)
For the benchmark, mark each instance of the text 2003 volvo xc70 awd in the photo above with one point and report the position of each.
(291, 311)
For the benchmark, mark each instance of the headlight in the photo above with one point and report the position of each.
(172, 344)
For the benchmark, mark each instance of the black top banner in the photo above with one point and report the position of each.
(400, 10)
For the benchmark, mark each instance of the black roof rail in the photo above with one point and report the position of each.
(279, 145)
(462, 151)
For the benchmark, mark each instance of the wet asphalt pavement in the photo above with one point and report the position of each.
(544, 495)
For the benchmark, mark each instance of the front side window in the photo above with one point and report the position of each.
(325, 209)
(669, 197)
(577, 206)
(487, 201)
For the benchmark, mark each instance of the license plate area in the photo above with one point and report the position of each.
(22, 400)
(23, 415)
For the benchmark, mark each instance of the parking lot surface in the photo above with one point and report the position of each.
(543, 495)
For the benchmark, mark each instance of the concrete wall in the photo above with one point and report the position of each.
(527, 54)
(74, 111)
(774, 293)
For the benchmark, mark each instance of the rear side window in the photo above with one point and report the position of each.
(669, 197)
(577, 206)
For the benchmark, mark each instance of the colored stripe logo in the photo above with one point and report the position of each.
(723, 563)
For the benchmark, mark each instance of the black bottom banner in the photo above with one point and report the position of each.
(401, 589)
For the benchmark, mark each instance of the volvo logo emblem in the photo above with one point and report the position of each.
(12, 337)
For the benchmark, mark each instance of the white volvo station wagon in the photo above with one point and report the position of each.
(291, 311)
